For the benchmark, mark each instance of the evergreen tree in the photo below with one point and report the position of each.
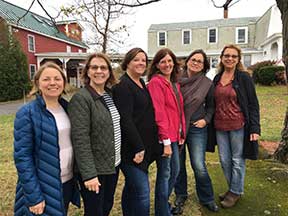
(14, 80)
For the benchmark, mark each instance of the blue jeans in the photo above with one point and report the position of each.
(167, 172)
(136, 191)
(100, 204)
(196, 141)
(230, 147)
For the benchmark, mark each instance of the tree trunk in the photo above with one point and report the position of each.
(281, 153)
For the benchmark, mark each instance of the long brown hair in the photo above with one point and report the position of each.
(49, 64)
(157, 58)
(239, 65)
(111, 80)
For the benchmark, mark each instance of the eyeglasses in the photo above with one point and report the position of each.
(96, 67)
(196, 61)
(230, 56)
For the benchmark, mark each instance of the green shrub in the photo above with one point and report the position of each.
(267, 75)
(255, 68)
(14, 80)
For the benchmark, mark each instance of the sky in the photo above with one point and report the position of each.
(166, 11)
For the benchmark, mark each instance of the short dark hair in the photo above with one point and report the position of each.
(111, 80)
(206, 63)
(157, 58)
(131, 55)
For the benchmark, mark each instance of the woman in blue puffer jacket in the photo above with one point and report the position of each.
(43, 151)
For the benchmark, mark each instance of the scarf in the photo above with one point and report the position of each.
(194, 90)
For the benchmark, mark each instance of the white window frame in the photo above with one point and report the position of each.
(79, 51)
(68, 49)
(216, 35)
(158, 38)
(190, 34)
(237, 35)
(30, 66)
(33, 39)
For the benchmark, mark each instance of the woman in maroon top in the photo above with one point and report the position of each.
(236, 121)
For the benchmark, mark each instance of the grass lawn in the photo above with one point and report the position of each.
(266, 191)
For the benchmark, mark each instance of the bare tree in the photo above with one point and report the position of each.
(225, 6)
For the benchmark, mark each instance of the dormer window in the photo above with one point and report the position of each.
(186, 36)
(241, 35)
(162, 38)
(212, 35)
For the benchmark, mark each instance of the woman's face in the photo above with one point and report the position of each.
(51, 83)
(98, 72)
(230, 59)
(195, 63)
(137, 65)
(166, 66)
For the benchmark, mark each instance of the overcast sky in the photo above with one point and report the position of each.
(167, 11)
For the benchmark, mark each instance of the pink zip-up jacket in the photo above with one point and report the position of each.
(168, 117)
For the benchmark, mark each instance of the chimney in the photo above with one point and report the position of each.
(225, 13)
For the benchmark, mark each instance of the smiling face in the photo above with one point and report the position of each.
(51, 83)
(98, 72)
(137, 65)
(230, 59)
(195, 63)
(166, 66)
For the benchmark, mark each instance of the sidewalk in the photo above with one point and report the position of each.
(11, 107)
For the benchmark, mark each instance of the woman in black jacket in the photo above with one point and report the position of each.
(236, 121)
(139, 133)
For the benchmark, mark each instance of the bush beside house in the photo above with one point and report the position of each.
(14, 81)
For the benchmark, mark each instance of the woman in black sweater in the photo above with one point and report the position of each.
(139, 133)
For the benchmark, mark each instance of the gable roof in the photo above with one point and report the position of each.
(34, 22)
(203, 24)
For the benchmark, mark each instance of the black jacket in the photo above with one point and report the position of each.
(138, 127)
(247, 99)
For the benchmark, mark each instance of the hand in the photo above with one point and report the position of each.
(254, 137)
(181, 141)
(139, 156)
(38, 209)
(93, 185)
(167, 152)
(200, 123)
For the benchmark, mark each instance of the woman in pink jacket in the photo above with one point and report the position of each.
(168, 105)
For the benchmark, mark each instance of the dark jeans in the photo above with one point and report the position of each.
(196, 141)
(100, 204)
(167, 172)
(136, 192)
(67, 188)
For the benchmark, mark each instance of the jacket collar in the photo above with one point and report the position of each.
(94, 94)
(40, 100)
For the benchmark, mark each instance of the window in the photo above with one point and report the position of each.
(241, 35)
(247, 60)
(212, 35)
(31, 43)
(68, 49)
(186, 36)
(79, 51)
(32, 70)
(162, 38)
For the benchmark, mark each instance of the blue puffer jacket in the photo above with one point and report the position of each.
(36, 155)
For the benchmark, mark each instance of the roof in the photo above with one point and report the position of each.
(203, 24)
(33, 22)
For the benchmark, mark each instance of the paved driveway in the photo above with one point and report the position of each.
(10, 107)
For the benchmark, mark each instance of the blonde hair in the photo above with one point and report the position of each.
(239, 65)
(35, 88)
